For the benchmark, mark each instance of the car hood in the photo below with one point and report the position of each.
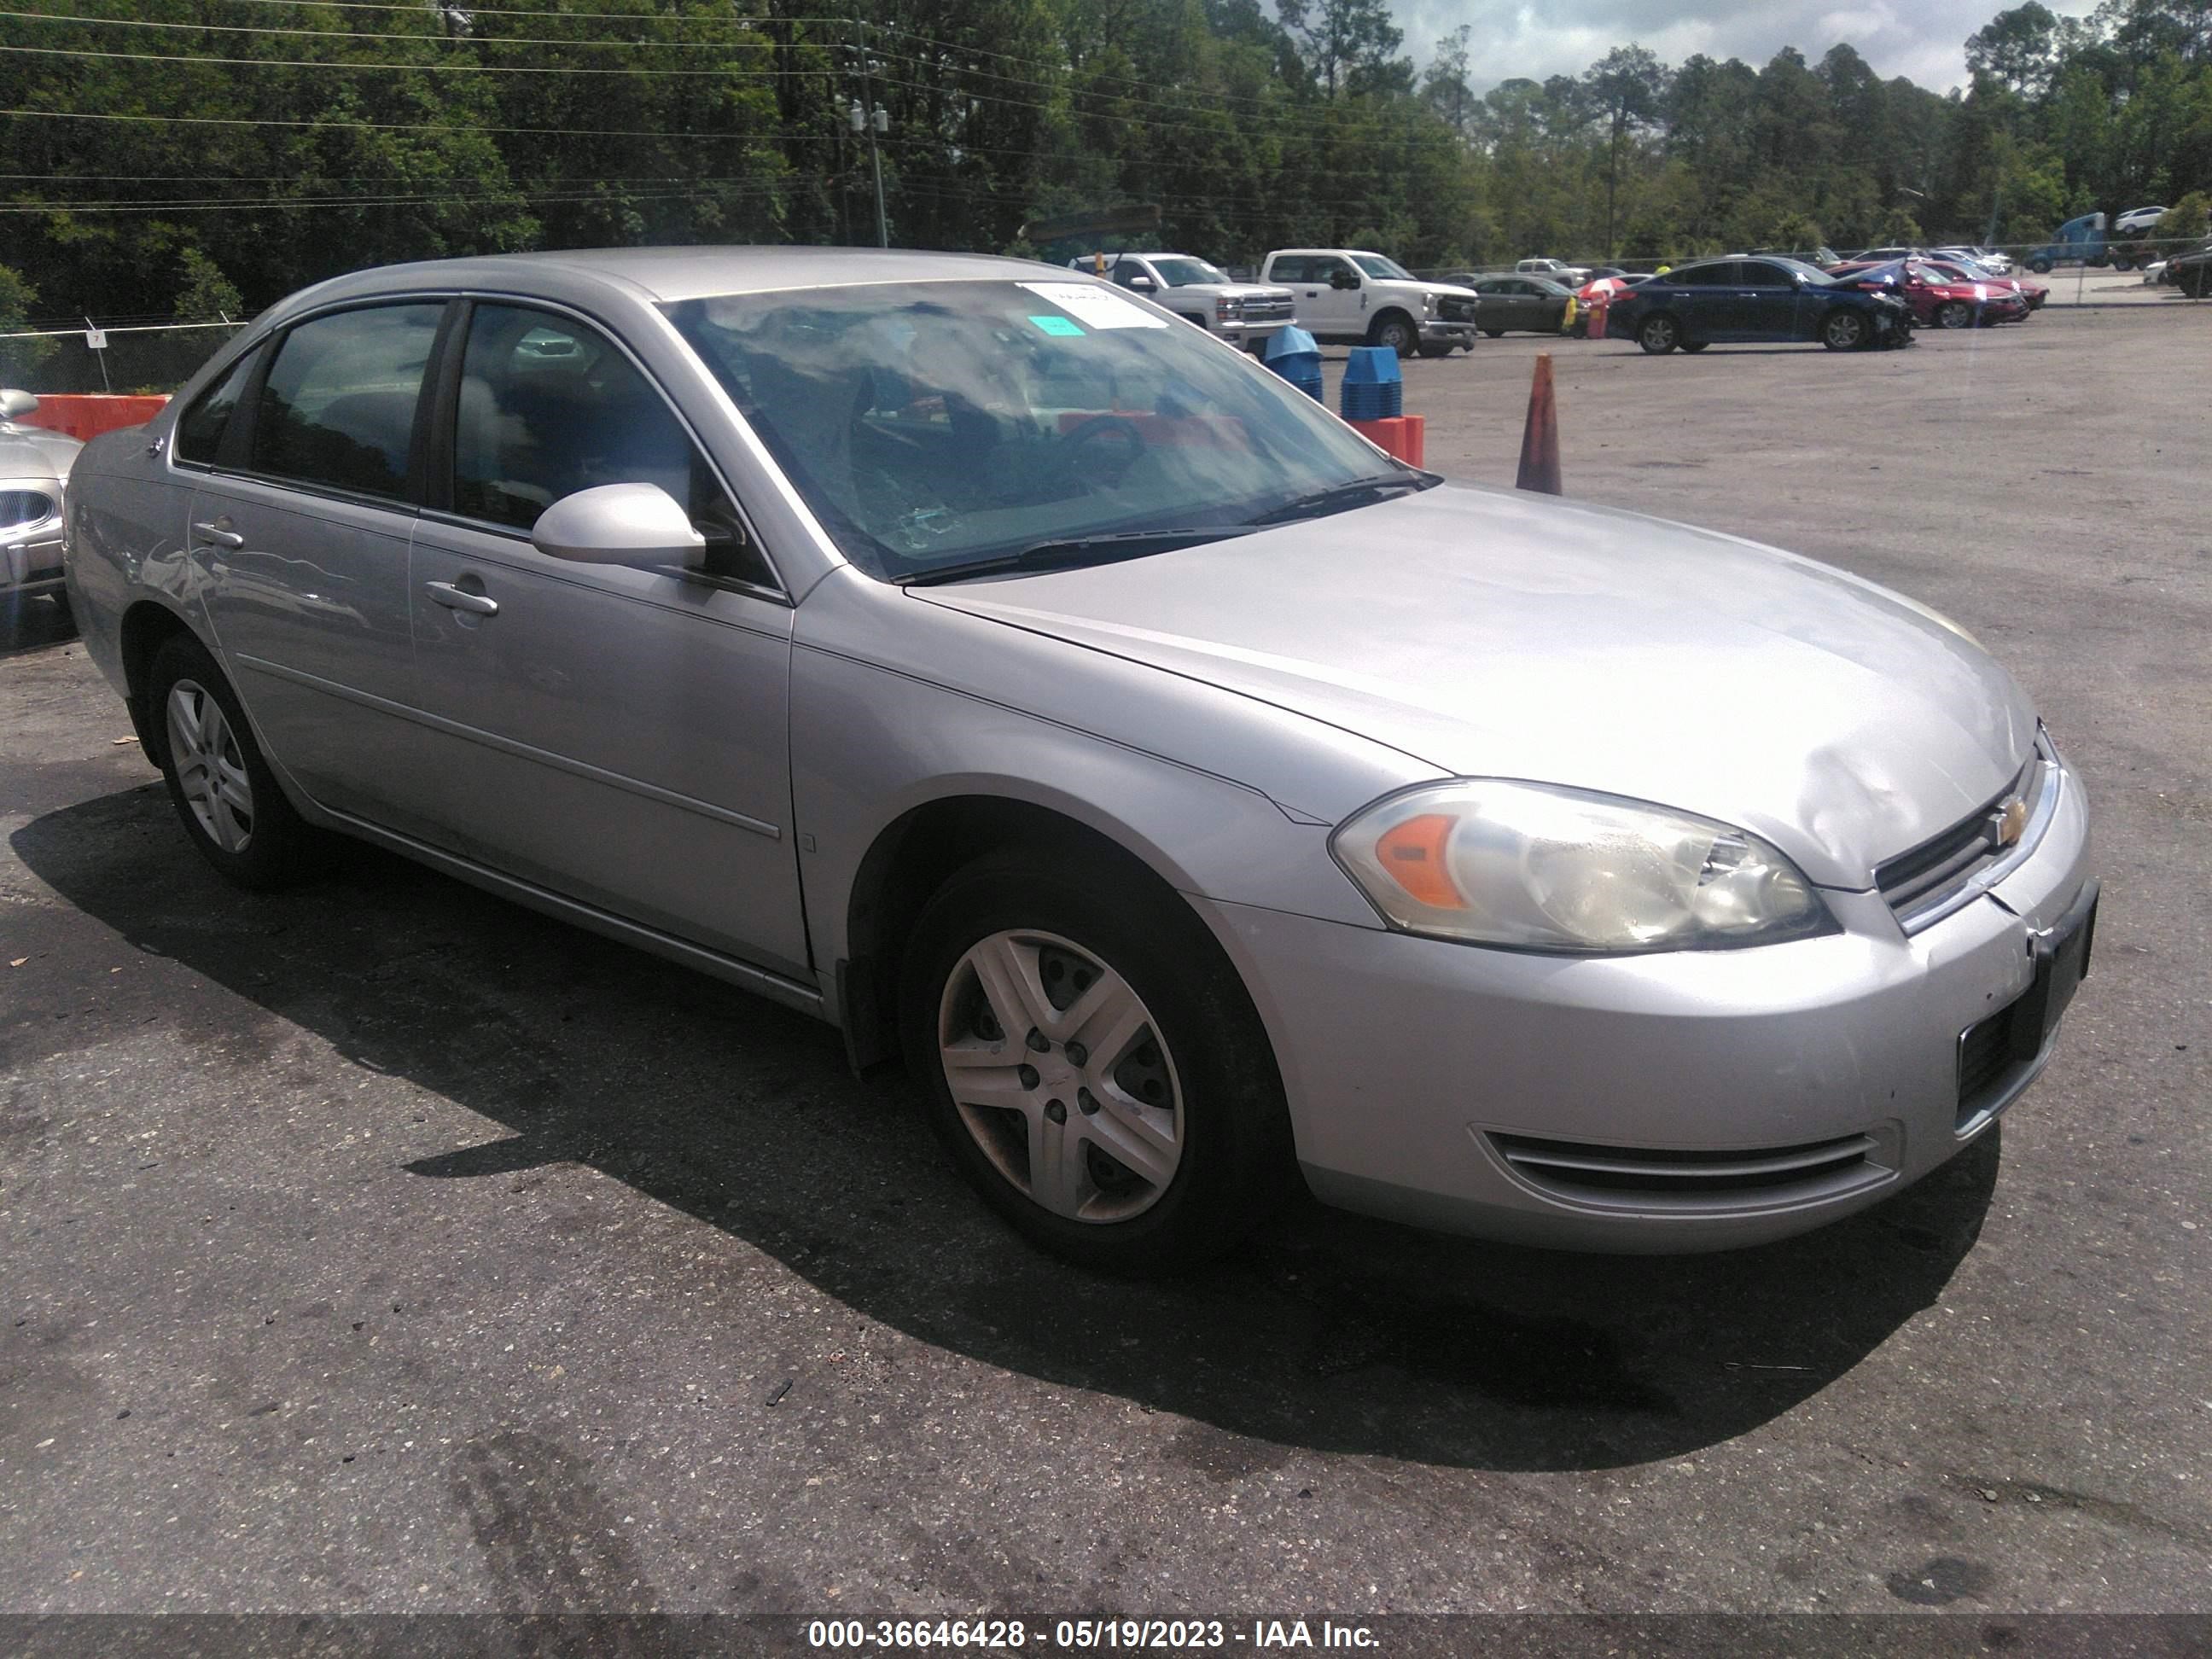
(1489, 632)
(27, 453)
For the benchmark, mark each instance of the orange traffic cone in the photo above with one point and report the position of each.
(1540, 441)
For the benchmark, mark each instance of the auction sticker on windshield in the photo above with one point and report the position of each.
(1057, 327)
(1095, 306)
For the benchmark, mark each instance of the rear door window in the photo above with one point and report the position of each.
(338, 406)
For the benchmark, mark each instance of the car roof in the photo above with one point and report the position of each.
(662, 274)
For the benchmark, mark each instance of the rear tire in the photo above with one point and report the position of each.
(1495, 333)
(1001, 960)
(219, 781)
(1695, 345)
(1437, 350)
(1659, 334)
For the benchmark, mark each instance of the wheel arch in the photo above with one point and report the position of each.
(911, 857)
(148, 624)
(1399, 312)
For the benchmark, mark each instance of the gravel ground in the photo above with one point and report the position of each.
(379, 1247)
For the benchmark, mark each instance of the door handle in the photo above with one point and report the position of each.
(459, 599)
(215, 536)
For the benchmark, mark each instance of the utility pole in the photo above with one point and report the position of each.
(1613, 178)
(872, 117)
(873, 122)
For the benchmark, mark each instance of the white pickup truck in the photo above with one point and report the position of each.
(1242, 313)
(1557, 270)
(1349, 296)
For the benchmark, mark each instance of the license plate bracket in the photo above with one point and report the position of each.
(2061, 962)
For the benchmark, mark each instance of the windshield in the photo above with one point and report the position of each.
(1182, 273)
(932, 424)
(1376, 266)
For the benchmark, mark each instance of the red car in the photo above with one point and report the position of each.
(2027, 288)
(1936, 300)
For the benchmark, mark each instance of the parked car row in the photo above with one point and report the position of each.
(1340, 295)
(1707, 301)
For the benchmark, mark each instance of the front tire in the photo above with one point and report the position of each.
(1955, 313)
(1495, 333)
(219, 781)
(1092, 1063)
(1845, 330)
(1396, 332)
(1659, 334)
(1695, 345)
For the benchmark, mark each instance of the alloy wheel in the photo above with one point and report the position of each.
(210, 768)
(1845, 330)
(1061, 1074)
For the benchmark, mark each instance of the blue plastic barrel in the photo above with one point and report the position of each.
(1373, 388)
(1292, 354)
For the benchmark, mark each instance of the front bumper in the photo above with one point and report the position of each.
(1420, 1072)
(1438, 332)
(1250, 332)
(31, 562)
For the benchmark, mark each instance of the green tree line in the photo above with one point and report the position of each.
(182, 158)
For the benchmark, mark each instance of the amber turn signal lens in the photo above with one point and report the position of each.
(1414, 853)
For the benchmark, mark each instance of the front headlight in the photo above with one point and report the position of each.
(1536, 868)
(1227, 310)
(1428, 305)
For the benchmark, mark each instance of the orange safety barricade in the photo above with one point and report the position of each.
(1404, 436)
(85, 415)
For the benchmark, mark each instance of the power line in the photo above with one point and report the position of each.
(377, 64)
(1214, 96)
(382, 35)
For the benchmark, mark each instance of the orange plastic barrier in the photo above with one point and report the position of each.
(86, 414)
(1404, 436)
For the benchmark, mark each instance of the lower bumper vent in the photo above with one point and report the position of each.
(1587, 1173)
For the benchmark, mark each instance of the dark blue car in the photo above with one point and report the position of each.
(1695, 305)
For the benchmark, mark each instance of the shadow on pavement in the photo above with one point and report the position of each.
(1327, 1331)
(29, 622)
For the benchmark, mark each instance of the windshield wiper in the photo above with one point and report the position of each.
(1063, 552)
(1357, 493)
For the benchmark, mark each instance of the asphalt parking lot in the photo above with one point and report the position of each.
(380, 1247)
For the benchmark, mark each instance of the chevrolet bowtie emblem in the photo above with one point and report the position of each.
(2011, 821)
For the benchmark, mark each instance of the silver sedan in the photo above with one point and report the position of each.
(1192, 797)
(34, 465)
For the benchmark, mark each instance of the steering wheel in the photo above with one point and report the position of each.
(1109, 444)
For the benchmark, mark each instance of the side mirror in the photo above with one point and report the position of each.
(1142, 284)
(617, 524)
(1342, 278)
(15, 404)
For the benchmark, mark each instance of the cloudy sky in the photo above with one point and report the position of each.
(1922, 38)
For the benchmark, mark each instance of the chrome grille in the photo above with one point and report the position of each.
(1917, 884)
(1456, 309)
(1590, 1173)
(1266, 311)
